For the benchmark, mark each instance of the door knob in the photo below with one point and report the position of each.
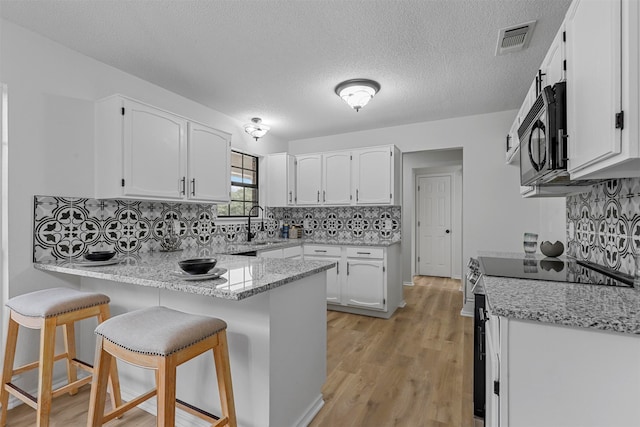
(447, 231)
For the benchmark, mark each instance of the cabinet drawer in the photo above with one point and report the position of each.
(365, 252)
(291, 252)
(322, 250)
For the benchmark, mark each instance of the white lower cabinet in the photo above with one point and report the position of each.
(366, 280)
(541, 374)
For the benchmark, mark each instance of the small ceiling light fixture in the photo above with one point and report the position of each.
(256, 129)
(357, 92)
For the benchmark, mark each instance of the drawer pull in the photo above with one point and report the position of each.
(318, 250)
(363, 253)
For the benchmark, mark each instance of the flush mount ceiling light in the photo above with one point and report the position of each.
(357, 92)
(256, 129)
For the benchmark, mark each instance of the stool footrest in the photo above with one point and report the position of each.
(82, 365)
(194, 410)
(71, 386)
(27, 398)
(128, 405)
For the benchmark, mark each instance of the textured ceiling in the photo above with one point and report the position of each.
(280, 60)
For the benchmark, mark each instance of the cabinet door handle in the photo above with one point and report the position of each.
(347, 269)
(193, 187)
(324, 196)
(357, 197)
(183, 181)
(338, 267)
(318, 196)
(290, 196)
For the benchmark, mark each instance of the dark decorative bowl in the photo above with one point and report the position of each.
(552, 249)
(99, 255)
(197, 265)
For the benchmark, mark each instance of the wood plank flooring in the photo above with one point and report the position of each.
(413, 370)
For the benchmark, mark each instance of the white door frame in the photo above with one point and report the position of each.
(4, 210)
(456, 226)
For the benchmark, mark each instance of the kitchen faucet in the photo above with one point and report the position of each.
(251, 235)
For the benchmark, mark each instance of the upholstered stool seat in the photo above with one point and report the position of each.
(45, 310)
(161, 338)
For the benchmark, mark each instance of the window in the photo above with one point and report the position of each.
(244, 186)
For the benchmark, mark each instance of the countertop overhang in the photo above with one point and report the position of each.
(244, 276)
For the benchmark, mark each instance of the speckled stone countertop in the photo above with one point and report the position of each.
(600, 307)
(266, 245)
(244, 276)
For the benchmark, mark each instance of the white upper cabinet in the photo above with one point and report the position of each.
(208, 154)
(154, 155)
(552, 68)
(144, 152)
(602, 88)
(309, 179)
(367, 176)
(281, 180)
(336, 178)
(372, 175)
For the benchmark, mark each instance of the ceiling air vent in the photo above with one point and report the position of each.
(515, 38)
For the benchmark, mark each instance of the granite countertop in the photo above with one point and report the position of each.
(606, 308)
(265, 245)
(244, 276)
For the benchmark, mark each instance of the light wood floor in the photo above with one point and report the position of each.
(413, 370)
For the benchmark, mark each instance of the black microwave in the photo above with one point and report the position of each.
(543, 139)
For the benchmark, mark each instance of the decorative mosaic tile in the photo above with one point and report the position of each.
(603, 225)
(67, 228)
(358, 224)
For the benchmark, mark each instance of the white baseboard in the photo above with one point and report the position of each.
(408, 283)
(310, 413)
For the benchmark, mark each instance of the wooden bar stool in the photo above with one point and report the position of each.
(45, 310)
(161, 339)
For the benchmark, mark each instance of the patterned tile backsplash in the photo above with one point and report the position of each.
(66, 228)
(603, 225)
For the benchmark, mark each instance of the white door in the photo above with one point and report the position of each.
(336, 179)
(154, 152)
(434, 226)
(365, 283)
(308, 179)
(209, 162)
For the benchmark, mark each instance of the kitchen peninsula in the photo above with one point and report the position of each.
(276, 315)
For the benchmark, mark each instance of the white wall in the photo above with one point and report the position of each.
(494, 216)
(51, 94)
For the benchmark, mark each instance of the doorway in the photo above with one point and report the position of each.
(433, 218)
